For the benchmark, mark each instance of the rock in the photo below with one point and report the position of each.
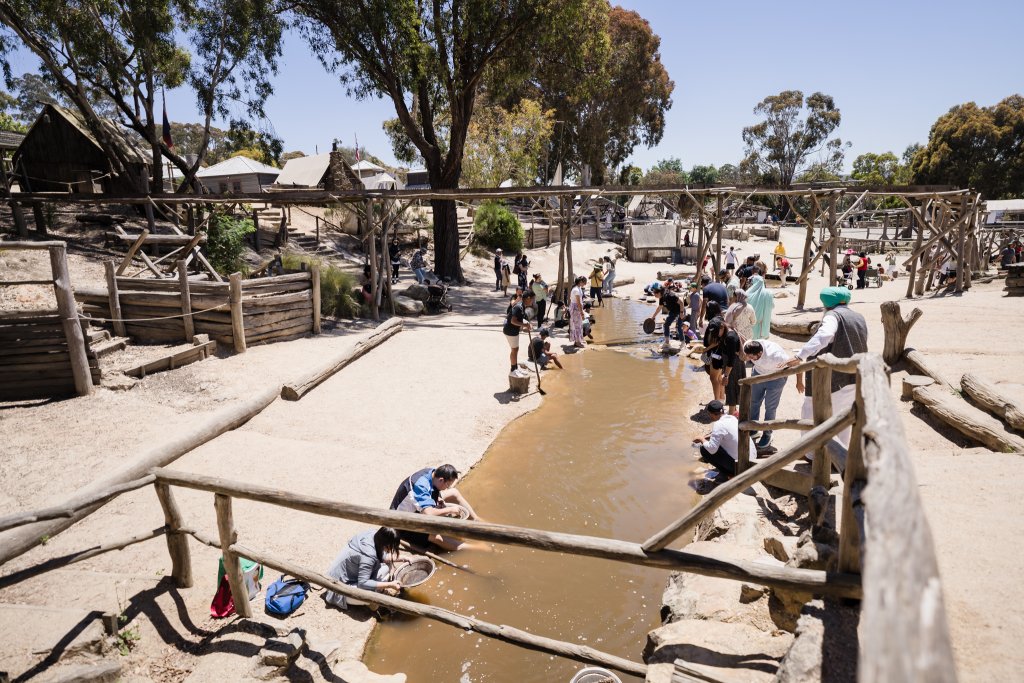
(354, 671)
(785, 606)
(725, 652)
(781, 295)
(415, 291)
(825, 647)
(283, 651)
(199, 339)
(781, 548)
(99, 672)
(749, 593)
(409, 307)
(810, 554)
(117, 381)
(326, 651)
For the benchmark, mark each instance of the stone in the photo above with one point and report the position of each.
(408, 307)
(283, 651)
(354, 671)
(750, 593)
(825, 646)
(415, 291)
(99, 672)
(810, 554)
(781, 295)
(323, 650)
(730, 653)
(781, 548)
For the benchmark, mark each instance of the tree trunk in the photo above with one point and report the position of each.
(896, 330)
(446, 240)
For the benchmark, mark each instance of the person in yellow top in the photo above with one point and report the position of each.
(780, 253)
(596, 284)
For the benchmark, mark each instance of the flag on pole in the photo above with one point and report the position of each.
(357, 149)
(167, 124)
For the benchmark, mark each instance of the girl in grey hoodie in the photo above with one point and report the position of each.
(365, 563)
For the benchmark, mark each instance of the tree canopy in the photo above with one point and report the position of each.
(666, 172)
(431, 60)
(506, 144)
(794, 137)
(977, 147)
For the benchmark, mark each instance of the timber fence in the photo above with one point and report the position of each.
(44, 353)
(886, 556)
(238, 312)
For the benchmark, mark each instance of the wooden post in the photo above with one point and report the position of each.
(68, 311)
(920, 240)
(283, 228)
(177, 542)
(132, 250)
(896, 330)
(962, 263)
(821, 400)
(718, 233)
(317, 227)
(372, 239)
(186, 302)
(237, 324)
(743, 455)
(190, 219)
(833, 246)
(114, 298)
(256, 233)
(232, 565)
(19, 217)
(851, 516)
(806, 264)
(568, 237)
(700, 243)
(150, 218)
(315, 279)
(37, 213)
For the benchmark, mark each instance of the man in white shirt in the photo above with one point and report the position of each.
(731, 259)
(767, 357)
(721, 448)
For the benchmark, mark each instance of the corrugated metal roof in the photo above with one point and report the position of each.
(304, 171)
(654, 236)
(238, 165)
(1005, 204)
(365, 165)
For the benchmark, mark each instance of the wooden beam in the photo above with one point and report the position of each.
(821, 401)
(815, 438)
(968, 420)
(812, 581)
(186, 302)
(114, 300)
(177, 544)
(68, 311)
(987, 395)
(315, 284)
(68, 509)
(851, 512)
(237, 323)
(761, 425)
(126, 261)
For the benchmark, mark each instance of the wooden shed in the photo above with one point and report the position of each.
(651, 241)
(238, 174)
(60, 154)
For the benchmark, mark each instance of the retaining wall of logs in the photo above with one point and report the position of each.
(238, 312)
(35, 360)
(1015, 280)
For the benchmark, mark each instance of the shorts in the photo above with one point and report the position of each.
(543, 360)
(717, 362)
(513, 341)
(730, 266)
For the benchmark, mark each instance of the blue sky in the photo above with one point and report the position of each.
(893, 68)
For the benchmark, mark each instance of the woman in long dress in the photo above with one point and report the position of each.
(576, 313)
(763, 302)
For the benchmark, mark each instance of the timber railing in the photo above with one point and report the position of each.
(237, 312)
(43, 353)
(886, 558)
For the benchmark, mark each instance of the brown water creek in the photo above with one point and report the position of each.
(607, 454)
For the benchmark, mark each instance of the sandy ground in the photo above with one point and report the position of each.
(434, 393)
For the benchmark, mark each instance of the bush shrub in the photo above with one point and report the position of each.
(225, 241)
(495, 226)
(338, 290)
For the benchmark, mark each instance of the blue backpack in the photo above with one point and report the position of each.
(284, 596)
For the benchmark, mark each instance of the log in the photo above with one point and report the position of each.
(315, 288)
(64, 511)
(262, 282)
(132, 251)
(175, 360)
(114, 300)
(761, 425)
(903, 631)
(237, 323)
(917, 359)
(177, 544)
(797, 328)
(161, 240)
(896, 330)
(186, 301)
(911, 382)
(619, 282)
(232, 566)
(508, 634)
(16, 543)
(815, 438)
(296, 390)
(968, 420)
(519, 384)
(987, 395)
(821, 403)
(68, 312)
(283, 333)
(807, 580)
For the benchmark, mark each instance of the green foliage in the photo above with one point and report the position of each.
(977, 147)
(241, 140)
(338, 290)
(704, 175)
(792, 132)
(666, 172)
(495, 226)
(506, 144)
(127, 637)
(225, 241)
(7, 122)
(631, 175)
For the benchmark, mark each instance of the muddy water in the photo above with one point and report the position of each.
(606, 455)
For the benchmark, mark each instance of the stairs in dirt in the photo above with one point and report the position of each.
(99, 343)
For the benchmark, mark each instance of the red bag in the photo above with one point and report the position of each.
(223, 604)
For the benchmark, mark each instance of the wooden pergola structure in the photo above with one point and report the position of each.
(944, 220)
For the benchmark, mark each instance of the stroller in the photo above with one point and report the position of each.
(437, 297)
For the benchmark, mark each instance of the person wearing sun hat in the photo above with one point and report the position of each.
(843, 333)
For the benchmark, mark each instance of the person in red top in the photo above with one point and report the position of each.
(862, 270)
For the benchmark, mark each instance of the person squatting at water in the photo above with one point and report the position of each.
(366, 562)
(673, 306)
(427, 492)
(515, 322)
(540, 350)
(720, 448)
(843, 333)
